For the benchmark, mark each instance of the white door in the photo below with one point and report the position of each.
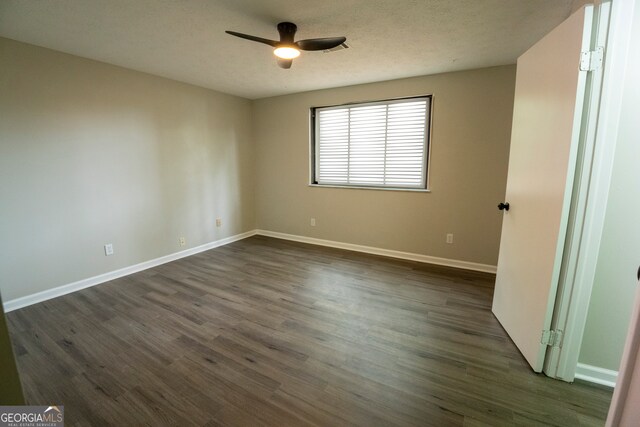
(545, 134)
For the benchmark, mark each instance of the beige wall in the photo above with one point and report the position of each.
(469, 156)
(615, 282)
(93, 154)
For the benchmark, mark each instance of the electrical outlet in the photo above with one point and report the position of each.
(182, 241)
(218, 222)
(450, 238)
(108, 249)
(313, 222)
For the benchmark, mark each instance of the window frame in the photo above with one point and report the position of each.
(314, 146)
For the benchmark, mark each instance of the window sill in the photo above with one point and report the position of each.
(353, 187)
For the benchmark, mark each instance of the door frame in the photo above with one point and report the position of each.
(612, 20)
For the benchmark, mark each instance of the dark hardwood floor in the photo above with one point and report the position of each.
(270, 332)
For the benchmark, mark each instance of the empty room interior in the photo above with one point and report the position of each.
(357, 212)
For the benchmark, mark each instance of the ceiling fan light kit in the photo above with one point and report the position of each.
(286, 52)
(286, 49)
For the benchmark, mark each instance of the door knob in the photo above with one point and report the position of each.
(503, 206)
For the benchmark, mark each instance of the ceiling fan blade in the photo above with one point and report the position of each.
(285, 63)
(253, 38)
(320, 44)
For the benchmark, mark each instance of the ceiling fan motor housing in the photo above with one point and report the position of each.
(287, 32)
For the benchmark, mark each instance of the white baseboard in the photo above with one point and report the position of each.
(485, 268)
(25, 301)
(17, 303)
(596, 375)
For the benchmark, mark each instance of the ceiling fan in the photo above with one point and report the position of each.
(286, 49)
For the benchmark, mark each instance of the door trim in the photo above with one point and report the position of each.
(573, 175)
(613, 31)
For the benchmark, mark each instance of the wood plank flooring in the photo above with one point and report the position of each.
(269, 332)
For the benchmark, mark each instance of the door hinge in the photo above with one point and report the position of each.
(591, 60)
(552, 338)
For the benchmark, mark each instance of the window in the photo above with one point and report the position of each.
(381, 144)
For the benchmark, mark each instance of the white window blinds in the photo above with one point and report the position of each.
(379, 144)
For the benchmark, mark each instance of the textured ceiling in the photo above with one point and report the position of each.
(185, 40)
